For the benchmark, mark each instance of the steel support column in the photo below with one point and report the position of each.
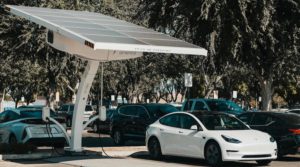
(81, 98)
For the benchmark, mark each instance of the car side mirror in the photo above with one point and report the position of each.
(194, 127)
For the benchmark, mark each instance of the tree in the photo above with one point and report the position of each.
(269, 38)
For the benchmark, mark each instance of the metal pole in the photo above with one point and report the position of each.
(101, 96)
(82, 95)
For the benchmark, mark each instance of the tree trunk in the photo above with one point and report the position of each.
(266, 94)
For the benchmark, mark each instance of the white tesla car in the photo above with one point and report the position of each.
(215, 137)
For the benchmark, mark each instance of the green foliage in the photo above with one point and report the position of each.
(250, 43)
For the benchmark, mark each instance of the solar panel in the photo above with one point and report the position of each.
(101, 32)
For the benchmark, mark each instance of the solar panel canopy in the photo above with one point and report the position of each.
(100, 37)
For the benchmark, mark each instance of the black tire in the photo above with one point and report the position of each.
(263, 162)
(59, 145)
(95, 127)
(12, 140)
(154, 149)
(69, 122)
(213, 154)
(118, 137)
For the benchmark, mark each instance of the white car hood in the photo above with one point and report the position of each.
(245, 136)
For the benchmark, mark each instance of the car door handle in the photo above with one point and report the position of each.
(161, 130)
(180, 132)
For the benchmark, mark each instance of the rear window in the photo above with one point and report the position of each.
(160, 110)
(224, 106)
(34, 113)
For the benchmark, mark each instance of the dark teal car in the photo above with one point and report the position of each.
(220, 105)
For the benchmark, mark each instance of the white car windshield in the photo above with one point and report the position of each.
(220, 122)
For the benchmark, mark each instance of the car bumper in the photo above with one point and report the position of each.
(41, 138)
(236, 152)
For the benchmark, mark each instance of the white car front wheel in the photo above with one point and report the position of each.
(154, 148)
(213, 154)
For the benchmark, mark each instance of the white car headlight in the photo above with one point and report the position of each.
(230, 139)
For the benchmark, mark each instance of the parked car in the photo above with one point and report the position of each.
(130, 120)
(102, 126)
(284, 127)
(67, 110)
(26, 126)
(220, 105)
(177, 105)
(296, 111)
(295, 106)
(213, 136)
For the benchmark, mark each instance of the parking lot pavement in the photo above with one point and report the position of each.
(36, 163)
(139, 160)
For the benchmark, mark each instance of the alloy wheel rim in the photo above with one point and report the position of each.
(212, 154)
(154, 147)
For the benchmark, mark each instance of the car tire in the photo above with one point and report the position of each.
(59, 145)
(263, 162)
(69, 122)
(118, 137)
(213, 154)
(12, 140)
(154, 148)
(95, 127)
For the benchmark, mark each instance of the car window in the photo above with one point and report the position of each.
(64, 108)
(186, 121)
(160, 110)
(71, 109)
(88, 108)
(218, 105)
(128, 110)
(221, 122)
(109, 112)
(188, 105)
(260, 119)
(246, 118)
(3, 116)
(295, 111)
(141, 112)
(199, 105)
(171, 120)
(292, 119)
(12, 116)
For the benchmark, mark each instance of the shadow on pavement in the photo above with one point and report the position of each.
(106, 141)
(190, 161)
(289, 158)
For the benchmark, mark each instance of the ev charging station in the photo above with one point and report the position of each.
(97, 38)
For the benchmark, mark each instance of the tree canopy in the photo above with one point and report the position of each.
(253, 48)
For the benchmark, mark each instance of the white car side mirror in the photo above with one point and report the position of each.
(194, 127)
(102, 113)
